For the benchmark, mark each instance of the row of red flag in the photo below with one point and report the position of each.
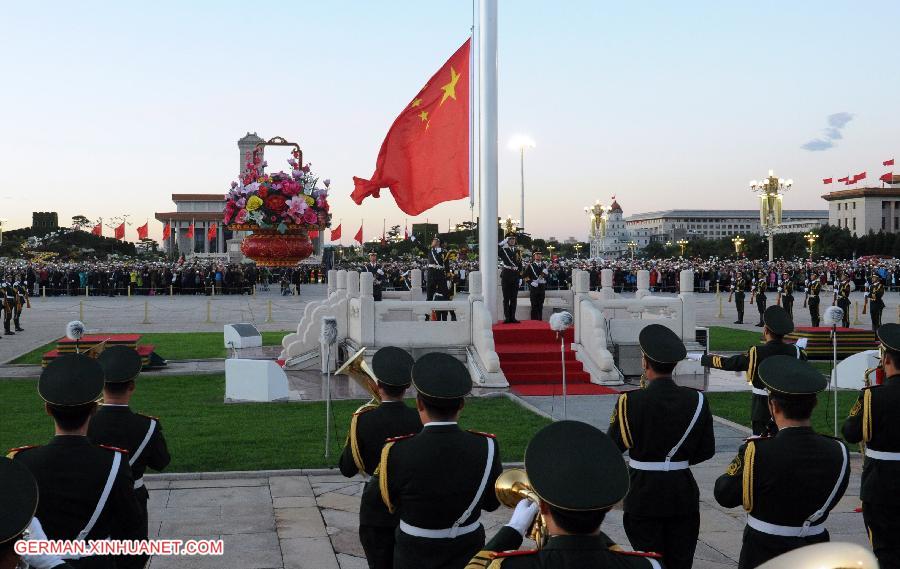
(850, 180)
(336, 234)
(119, 230)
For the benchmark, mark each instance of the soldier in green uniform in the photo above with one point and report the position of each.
(536, 276)
(787, 483)
(578, 475)
(9, 306)
(777, 325)
(842, 298)
(370, 427)
(813, 287)
(115, 424)
(439, 480)
(87, 491)
(874, 421)
(759, 295)
(665, 429)
(876, 304)
(738, 287)
(787, 294)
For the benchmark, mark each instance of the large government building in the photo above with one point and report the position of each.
(865, 209)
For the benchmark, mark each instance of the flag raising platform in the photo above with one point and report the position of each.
(530, 360)
(849, 341)
(150, 359)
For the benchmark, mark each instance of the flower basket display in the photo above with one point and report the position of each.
(280, 209)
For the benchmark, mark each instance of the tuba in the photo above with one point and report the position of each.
(512, 487)
(358, 370)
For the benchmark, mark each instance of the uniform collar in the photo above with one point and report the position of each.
(440, 427)
(660, 382)
(893, 380)
(69, 440)
(795, 432)
(579, 542)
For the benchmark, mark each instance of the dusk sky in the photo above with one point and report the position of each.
(110, 107)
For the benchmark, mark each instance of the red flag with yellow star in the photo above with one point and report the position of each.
(424, 159)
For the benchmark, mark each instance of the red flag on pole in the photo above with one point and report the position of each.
(889, 177)
(212, 231)
(336, 233)
(167, 232)
(424, 159)
(190, 231)
(358, 236)
(120, 231)
(860, 176)
(827, 180)
(888, 162)
(405, 233)
(142, 231)
(98, 230)
(845, 179)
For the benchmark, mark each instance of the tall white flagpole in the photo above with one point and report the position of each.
(487, 151)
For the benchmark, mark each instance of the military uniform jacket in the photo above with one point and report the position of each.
(71, 473)
(814, 288)
(535, 272)
(648, 423)
(784, 479)
(876, 292)
(510, 259)
(368, 432)
(844, 292)
(759, 288)
(787, 289)
(119, 426)
(560, 552)
(739, 286)
(875, 420)
(377, 277)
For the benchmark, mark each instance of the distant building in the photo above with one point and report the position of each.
(865, 209)
(615, 242)
(424, 232)
(674, 224)
(44, 221)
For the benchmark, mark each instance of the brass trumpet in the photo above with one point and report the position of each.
(511, 488)
(360, 372)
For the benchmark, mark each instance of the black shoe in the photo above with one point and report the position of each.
(507, 321)
(20, 329)
(759, 325)
(738, 322)
(514, 321)
(8, 333)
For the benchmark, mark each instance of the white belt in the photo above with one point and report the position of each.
(139, 483)
(882, 455)
(508, 268)
(758, 391)
(435, 267)
(448, 533)
(784, 531)
(658, 466)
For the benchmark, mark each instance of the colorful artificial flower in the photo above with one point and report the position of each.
(241, 216)
(275, 202)
(253, 203)
(263, 192)
(310, 216)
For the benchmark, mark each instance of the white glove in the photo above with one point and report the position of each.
(866, 295)
(801, 343)
(523, 516)
(534, 284)
(694, 356)
(380, 272)
(546, 272)
(36, 531)
(779, 289)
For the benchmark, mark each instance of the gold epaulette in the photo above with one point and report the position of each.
(624, 429)
(116, 449)
(14, 451)
(647, 554)
(149, 416)
(488, 435)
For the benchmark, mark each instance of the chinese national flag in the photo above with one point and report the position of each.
(860, 176)
(889, 177)
(98, 230)
(888, 162)
(336, 233)
(845, 179)
(827, 180)
(424, 159)
(212, 231)
(358, 236)
(313, 234)
(120, 231)
(167, 232)
(142, 231)
(190, 231)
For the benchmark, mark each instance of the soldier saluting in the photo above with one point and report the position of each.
(876, 304)
(813, 287)
(536, 276)
(370, 427)
(510, 273)
(377, 275)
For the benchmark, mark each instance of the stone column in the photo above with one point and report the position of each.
(606, 284)
(341, 281)
(643, 284)
(581, 285)
(415, 284)
(475, 286)
(689, 305)
(352, 284)
(332, 281)
(366, 310)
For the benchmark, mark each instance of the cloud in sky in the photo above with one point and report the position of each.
(836, 124)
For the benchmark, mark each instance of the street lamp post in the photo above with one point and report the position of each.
(682, 243)
(770, 196)
(550, 249)
(510, 225)
(2, 221)
(632, 245)
(810, 238)
(578, 247)
(598, 215)
(520, 142)
(738, 242)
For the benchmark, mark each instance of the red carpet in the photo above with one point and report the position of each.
(530, 359)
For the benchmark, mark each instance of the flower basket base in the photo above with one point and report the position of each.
(269, 248)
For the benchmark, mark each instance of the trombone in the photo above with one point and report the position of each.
(511, 488)
(360, 372)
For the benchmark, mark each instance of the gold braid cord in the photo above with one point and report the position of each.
(354, 444)
(623, 421)
(867, 416)
(751, 369)
(383, 477)
(749, 455)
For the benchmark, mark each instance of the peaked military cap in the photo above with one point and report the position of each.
(71, 380)
(778, 321)
(791, 376)
(661, 344)
(120, 364)
(441, 376)
(575, 466)
(889, 335)
(393, 366)
(18, 498)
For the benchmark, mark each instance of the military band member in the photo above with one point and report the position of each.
(738, 288)
(578, 474)
(510, 273)
(787, 483)
(72, 472)
(777, 325)
(876, 304)
(665, 429)
(813, 288)
(874, 421)
(759, 295)
(787, 294)
(377, 275)
(116, 425)
(536, 276)
(370, 427)
(842, 298)
(439, 480)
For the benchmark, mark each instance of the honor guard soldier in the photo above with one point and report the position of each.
(536, 276)
(874, 298)
(665, 429)
(86, 490)
(18, 502)
(439, 480)
(789, 482)
(370, 427)
(377, 275)
(115, 424)
(874, 421)
(510, 273)
(578, 475)
(813, 288)
(436, 272)
(759, 295)
(842, 298)
(9, 306)
(786, 291)
(738, 288)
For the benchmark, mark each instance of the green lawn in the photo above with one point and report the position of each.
(735, 406)
(722, 339)
(172, 345)
(204, 434)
